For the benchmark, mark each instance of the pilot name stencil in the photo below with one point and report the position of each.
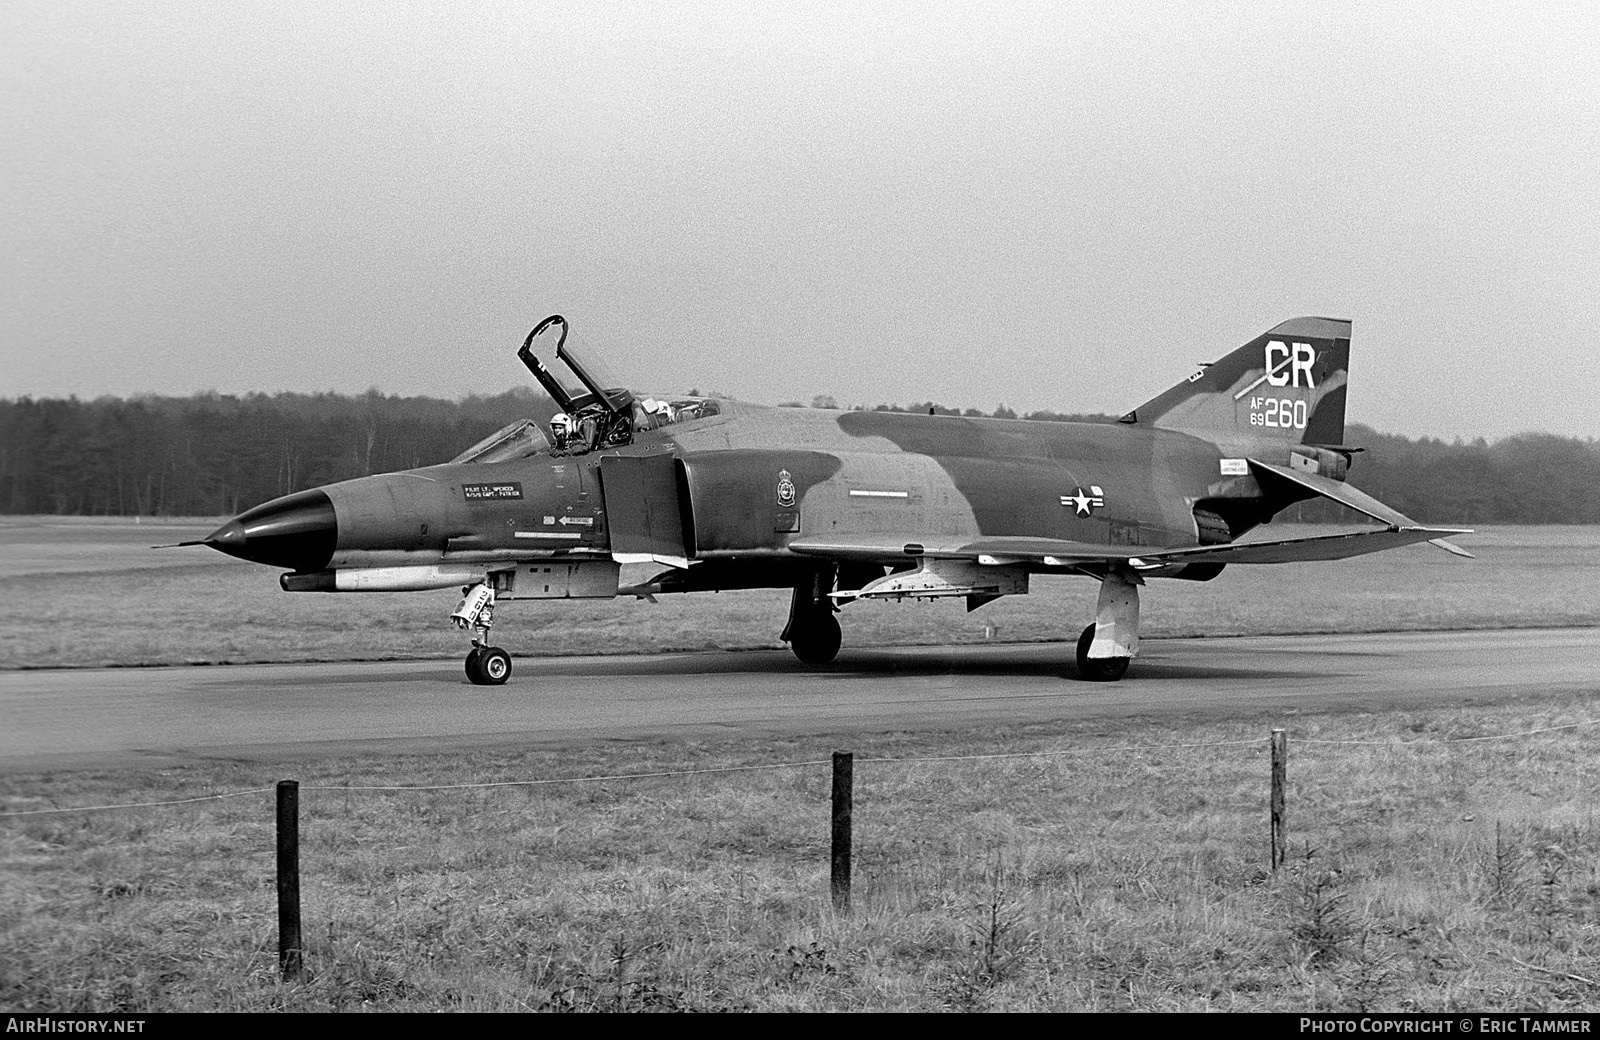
(491, 492)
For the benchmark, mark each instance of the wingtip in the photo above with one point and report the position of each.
(1452, 548)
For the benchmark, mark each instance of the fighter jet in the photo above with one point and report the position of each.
(622, 493)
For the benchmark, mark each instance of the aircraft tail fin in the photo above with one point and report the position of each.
(1286, 384)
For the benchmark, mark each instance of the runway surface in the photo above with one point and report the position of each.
(266, 713)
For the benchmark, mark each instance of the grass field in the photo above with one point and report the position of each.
(1430, 869)
(92, 593)
(1424, 874)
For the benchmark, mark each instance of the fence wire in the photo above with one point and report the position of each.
(1450, 740)
(140, 805)
(775, 766)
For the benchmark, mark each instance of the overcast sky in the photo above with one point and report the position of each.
(1058, 206)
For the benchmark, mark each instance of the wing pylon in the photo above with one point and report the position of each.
(978, 580)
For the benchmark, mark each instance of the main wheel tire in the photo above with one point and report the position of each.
(1100, 669)
(474, 673)
(817, 641)
(495, 666)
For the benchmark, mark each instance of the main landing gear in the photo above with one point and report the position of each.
(1106, 647)
(486, 665)
(813, 632)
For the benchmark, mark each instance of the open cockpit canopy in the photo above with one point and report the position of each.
(594, 411)
(584, 384)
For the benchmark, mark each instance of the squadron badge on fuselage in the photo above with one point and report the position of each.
(786, 490)
(1084, 503)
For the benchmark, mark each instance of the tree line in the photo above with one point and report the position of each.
(212, 455)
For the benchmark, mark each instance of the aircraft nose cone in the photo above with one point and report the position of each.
(228, 537)
(297, 531)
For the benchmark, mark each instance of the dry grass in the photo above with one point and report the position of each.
(1425, 875)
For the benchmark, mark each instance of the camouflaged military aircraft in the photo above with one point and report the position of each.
(694, 494)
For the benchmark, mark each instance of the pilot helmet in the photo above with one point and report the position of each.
(561, 425)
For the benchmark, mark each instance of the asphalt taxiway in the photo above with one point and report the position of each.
(76, 718)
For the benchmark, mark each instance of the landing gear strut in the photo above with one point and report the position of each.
(1106, 647)
(813, 632)
(486, 665)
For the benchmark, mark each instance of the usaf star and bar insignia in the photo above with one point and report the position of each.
(1085, 502)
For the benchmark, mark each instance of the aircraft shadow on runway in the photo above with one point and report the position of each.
(1047, 661)
(866, 665)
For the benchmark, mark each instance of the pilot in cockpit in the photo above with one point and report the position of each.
(563, 428)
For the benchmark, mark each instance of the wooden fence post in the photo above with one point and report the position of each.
(843, 799)
(1280, 824)
(290, 963)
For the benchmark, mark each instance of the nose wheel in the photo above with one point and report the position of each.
(488, 666)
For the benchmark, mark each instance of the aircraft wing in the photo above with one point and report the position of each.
(992, 551)
(1051, 552)
(956, 565)
(1360, 501)
(1305, 550)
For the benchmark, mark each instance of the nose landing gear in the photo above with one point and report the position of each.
(486, 665)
